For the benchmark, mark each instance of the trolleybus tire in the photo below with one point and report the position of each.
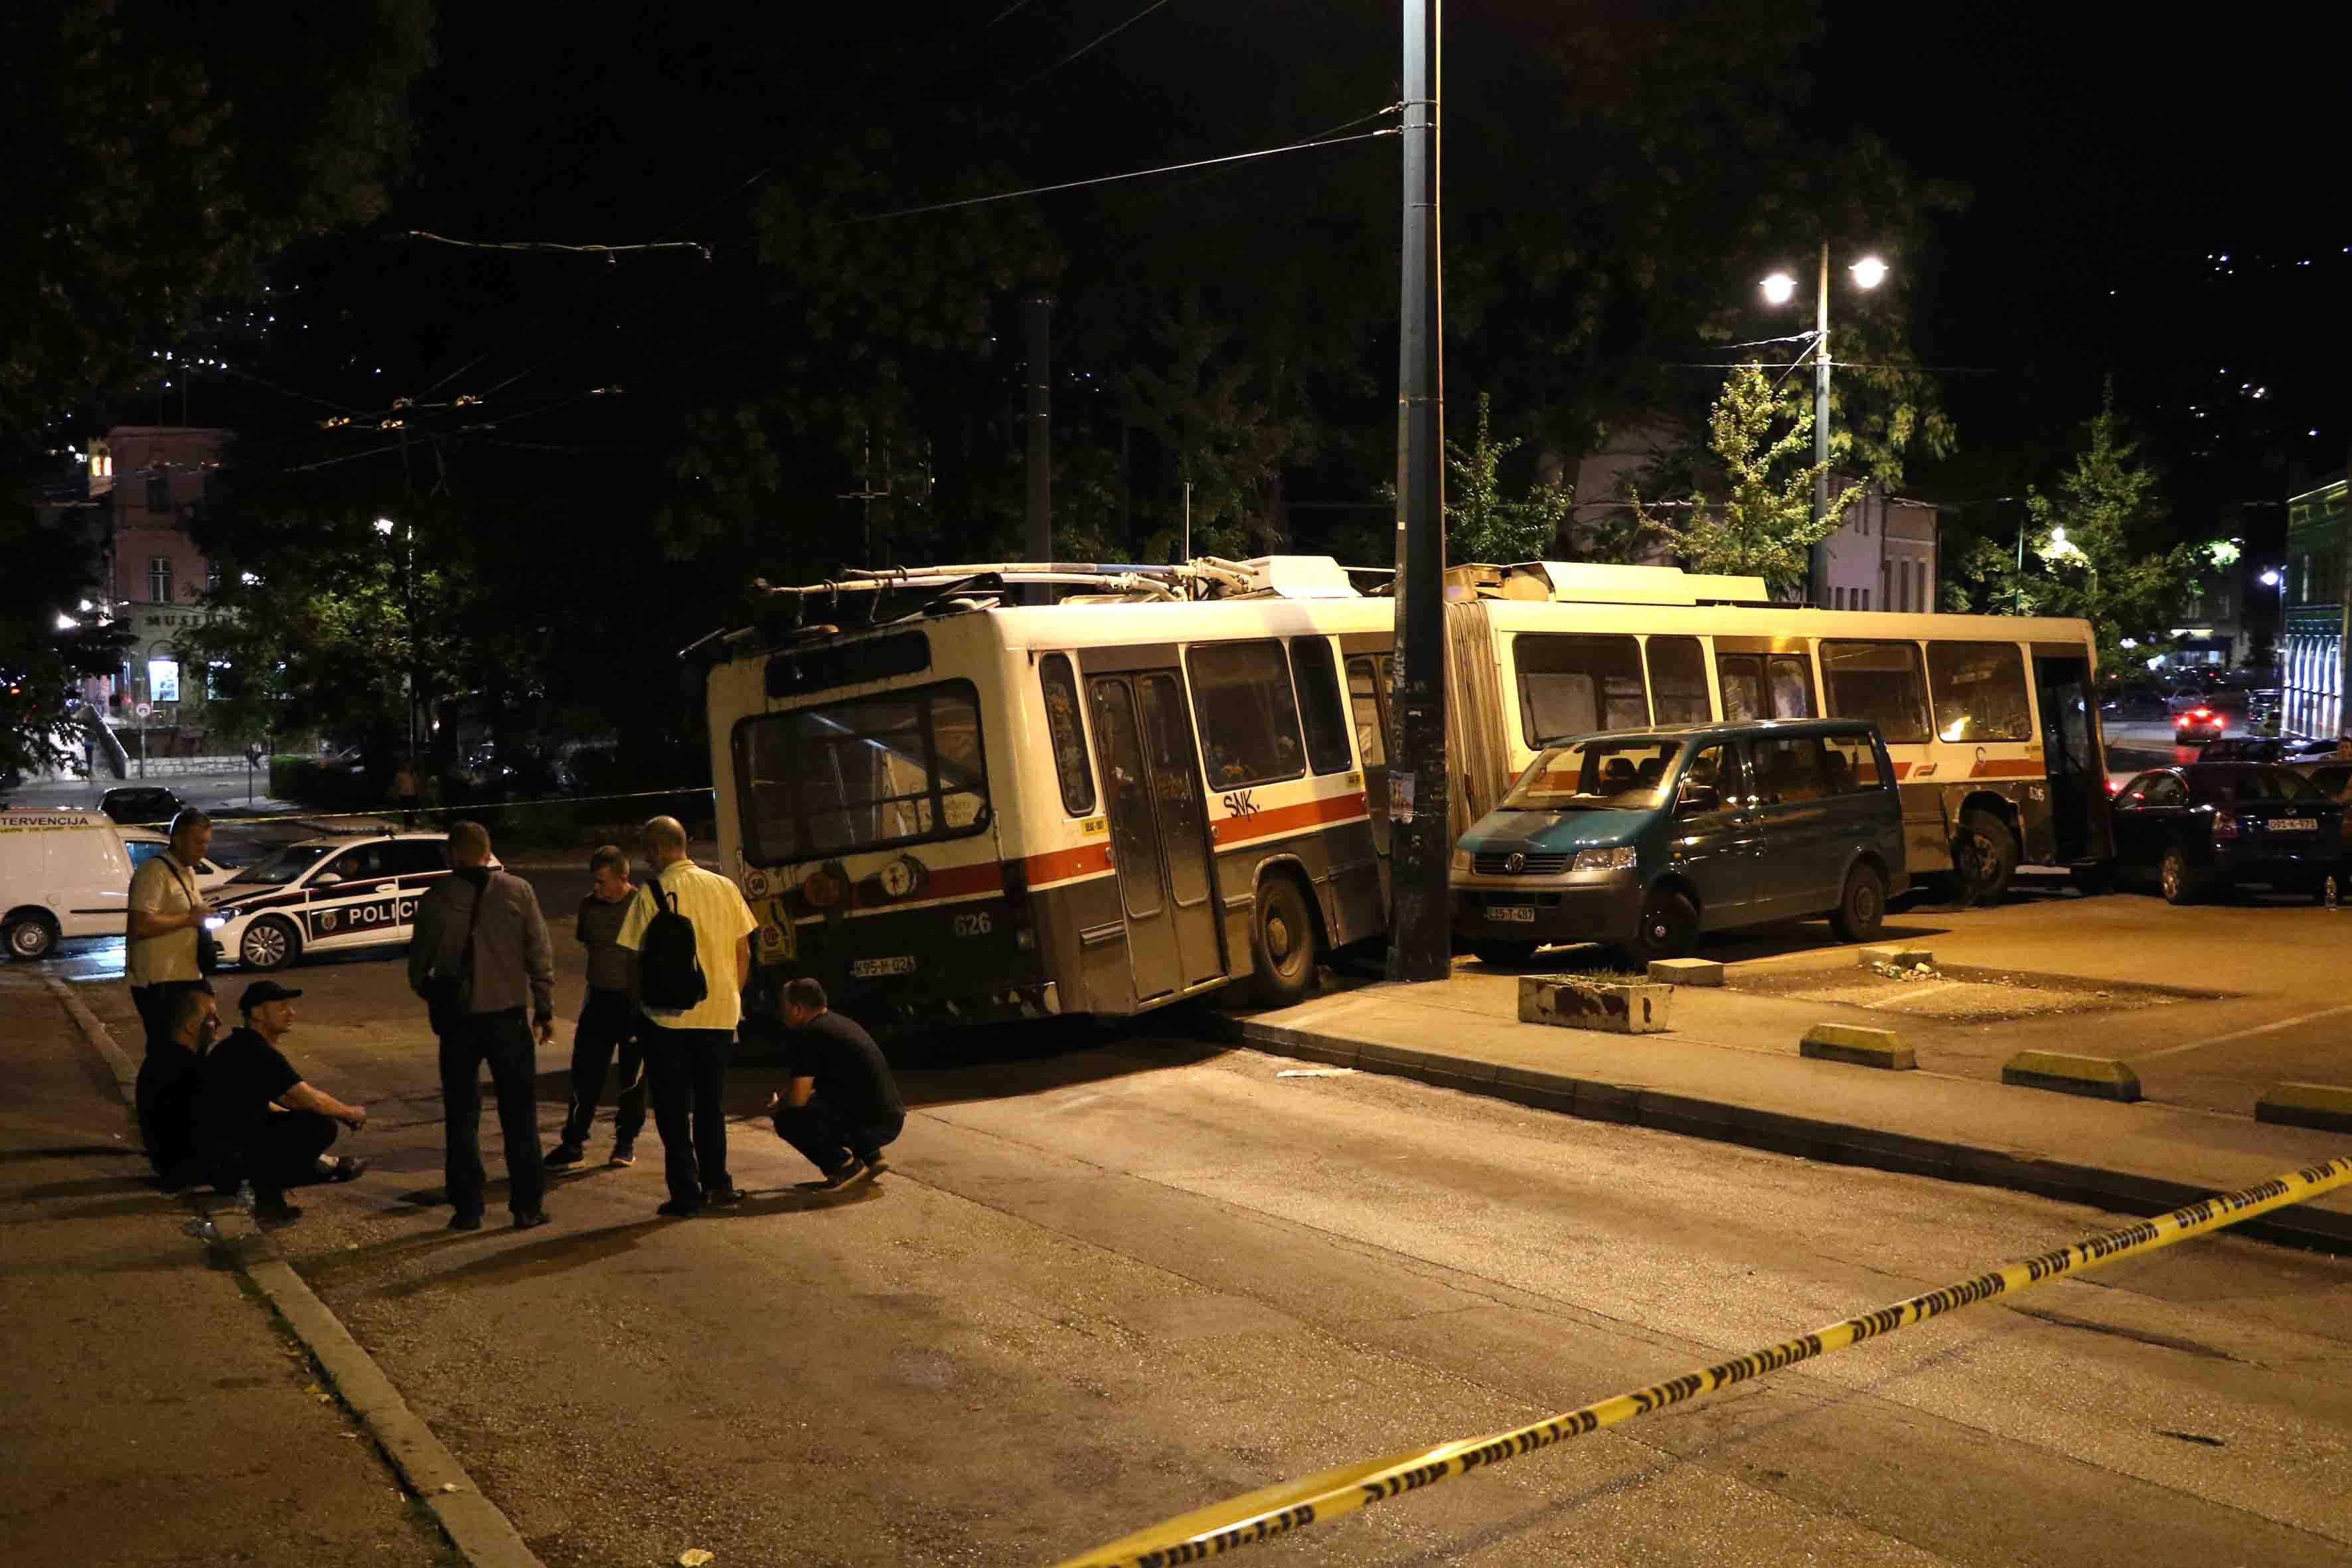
(1669, 927)
(1994, 856)
(1501, 955)
(1862, 908)
(268, 943)
(1282, 944)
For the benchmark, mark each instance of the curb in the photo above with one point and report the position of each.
(1831, 1142)
(474, 1524)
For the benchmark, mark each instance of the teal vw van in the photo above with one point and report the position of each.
(1647, 839)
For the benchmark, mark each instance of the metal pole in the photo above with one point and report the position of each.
(1037, 314)
(1819, 562)
(1419, 923)
(1187, 555)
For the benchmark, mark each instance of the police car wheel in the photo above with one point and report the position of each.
(268, 944)
(30, 936)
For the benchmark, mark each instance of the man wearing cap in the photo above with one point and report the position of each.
(257, 1118)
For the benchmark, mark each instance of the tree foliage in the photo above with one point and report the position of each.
(1483, 523)
(1760, 522)
(42, 661)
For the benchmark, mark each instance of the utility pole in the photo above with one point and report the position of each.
(1187, 556)
(1037, 316)
(1419, 923)
(1817, 591)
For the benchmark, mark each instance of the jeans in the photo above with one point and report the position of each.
(609, 1020)
(688, 1070)
(828, 1139)
(504, 1041)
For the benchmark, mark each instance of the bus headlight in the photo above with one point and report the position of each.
(1613, 858)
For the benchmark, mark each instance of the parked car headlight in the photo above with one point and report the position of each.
(214, 922)
(1460, 861)
(1613, 858)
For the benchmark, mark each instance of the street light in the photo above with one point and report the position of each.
(1779, 289)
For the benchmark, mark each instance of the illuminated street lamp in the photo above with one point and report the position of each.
(1779, 289)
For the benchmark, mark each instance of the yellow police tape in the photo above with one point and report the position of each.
(1278, 1510)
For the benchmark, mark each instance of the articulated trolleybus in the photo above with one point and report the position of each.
(951, 807)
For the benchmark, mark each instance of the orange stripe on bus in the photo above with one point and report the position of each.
(1062, 865)
(2006, 768)
(1289, 818)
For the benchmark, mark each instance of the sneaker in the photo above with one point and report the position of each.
(562, 1155)
(836, 1180)
(466, 1222)
(676, 1210)
(723, 1197)
(874, 1159)
(623, 1155)
(531, 1221)
(348, 1168)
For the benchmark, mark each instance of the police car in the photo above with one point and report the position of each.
(326, 895)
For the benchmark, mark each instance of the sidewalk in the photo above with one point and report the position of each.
(158, 1414)
(1729, 1070)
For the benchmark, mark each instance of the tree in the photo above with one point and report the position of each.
(49, 639)
(1484, 524)
(1764, 525)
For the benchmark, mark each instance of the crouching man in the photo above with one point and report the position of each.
(840, 1105)
(257, 1118)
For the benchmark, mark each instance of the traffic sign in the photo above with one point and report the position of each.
(144, 708)
(253, 755)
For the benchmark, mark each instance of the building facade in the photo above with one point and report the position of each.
(2316, 610)
(148, 482)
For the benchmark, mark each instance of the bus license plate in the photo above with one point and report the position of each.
(2294, 824)
(1525, 914)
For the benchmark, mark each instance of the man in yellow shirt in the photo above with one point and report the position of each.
(686, 1046)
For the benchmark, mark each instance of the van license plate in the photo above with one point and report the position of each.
(1525, 914)
(2294, 824)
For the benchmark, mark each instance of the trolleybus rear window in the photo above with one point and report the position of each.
(882, 771)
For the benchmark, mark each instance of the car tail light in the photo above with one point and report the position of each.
(2225, 827)
(2114, 787)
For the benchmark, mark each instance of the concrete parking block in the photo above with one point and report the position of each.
(2094, 1077)
(2325, 1106)
(1573, 1003)
(1902, 957)
(1858, 1046)
(1685, 972)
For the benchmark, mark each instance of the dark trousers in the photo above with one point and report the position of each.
(280, 1150)
(826, 1138)
(688, 1070)
(167, 1099)
(503, 1040)
(608, 1022)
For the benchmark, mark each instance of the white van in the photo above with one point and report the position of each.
(62, 873)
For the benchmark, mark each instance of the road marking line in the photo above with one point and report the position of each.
(2241, 1034)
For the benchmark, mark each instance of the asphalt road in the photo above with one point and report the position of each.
(1111, 1279)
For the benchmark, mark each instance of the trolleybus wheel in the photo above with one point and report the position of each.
(1988, 857)
(1282, 942)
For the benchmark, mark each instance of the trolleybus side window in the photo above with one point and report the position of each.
(1881, 680)
(1247, 717)
(1319, 704)
(1364, 699)
(1678, 681)
(1766, 686)
(1573, 685)
(843, 776)
(1980, 691)
(1069, 734)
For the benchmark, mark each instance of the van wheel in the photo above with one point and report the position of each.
(268, 943)
(1500, 954)
(1862, 910)
(29, 934)
(1987, 857)
(1669, 927)
(1282, 944)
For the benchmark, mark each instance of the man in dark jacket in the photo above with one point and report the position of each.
(479, 956)
(256, 1119)
(608, 1018)
(840, 1104)
(167, 1087)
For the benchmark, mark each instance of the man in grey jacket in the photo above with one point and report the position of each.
(478, 956)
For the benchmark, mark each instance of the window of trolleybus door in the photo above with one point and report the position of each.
(1151, 790)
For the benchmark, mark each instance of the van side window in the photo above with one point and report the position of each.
(1881, 681)
(1576, 685)
(1789, 769)
(1319, 704)
(1248, 719)
(1852, 763)
(1068, 734)
(1719, 768)
(1678, 681)
(1364, 699)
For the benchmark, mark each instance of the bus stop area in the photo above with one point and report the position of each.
(2212, 1011)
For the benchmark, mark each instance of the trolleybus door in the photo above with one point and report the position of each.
(2071, 753)
(1151, 788)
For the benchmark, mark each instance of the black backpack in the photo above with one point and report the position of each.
(669, 971)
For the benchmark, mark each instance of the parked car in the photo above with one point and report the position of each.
(138, 805)
(2199, 831)
(2127, 700)
(341, 892)
(62, 873)
(2195, 726)
(1649, 839)
(143, 844)
(2331, 777)
(2266, 749)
